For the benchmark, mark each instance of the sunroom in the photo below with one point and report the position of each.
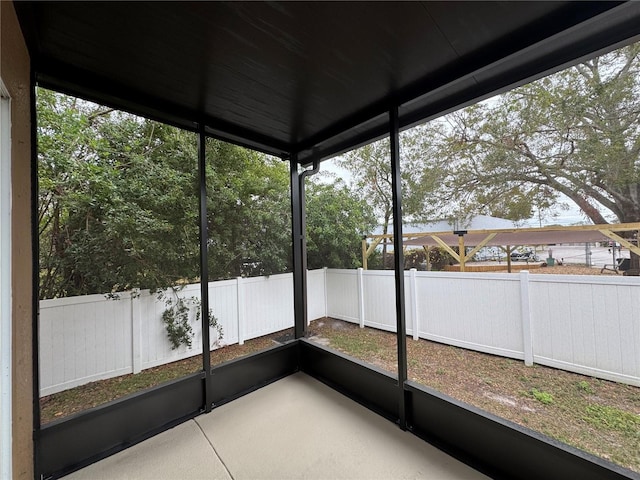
(302, 82)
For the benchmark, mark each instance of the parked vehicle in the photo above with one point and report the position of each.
(525, 256)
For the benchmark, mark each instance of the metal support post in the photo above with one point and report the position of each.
(299, 300)
(204, 268)
(398, 261)
(303, 238)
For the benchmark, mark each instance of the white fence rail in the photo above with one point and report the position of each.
(588, 325)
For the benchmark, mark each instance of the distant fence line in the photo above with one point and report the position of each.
(588, 325)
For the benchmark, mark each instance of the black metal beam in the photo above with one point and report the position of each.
(369, 132)
(360, 381)
(244, 375)
(303, 240)
(297, 239)
(87, 437)
(549, 59)
(398, 260)
(204, 267)
(497, 447)
(596, 38)
(92, 87)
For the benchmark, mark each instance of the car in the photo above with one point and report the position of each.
(525, 256)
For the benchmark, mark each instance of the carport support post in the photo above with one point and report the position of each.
(461, 251)
(204, 268)
(299, 300)
(398, 261)
(364, 252)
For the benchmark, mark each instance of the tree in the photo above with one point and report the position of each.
(248, 212)
(576, 132)
(370, 167)
(117, 200)
(119, 205)
(336, 222)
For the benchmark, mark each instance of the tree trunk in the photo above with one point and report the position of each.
(632, 236)
(385, 230)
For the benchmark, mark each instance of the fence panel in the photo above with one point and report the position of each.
(269, 304)
(587, 325)
(342, 295)
(155, 347)
(83, 339)
(316, 294)
(471, 311)
(223, 303)
(379, 299)
(88, 338)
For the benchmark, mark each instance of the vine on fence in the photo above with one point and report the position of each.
(177, 319)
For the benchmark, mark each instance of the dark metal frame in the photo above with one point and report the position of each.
(398, 261)
(488, 443)
(297, 237)
(204, 268)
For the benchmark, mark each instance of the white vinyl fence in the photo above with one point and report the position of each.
(583, 324)
(588, 325)
(89, 338)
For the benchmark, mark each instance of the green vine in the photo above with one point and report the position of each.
(177, 321)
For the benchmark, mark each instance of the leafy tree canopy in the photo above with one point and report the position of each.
(576, 133)
(119, 205)
(336, 221)
(117, 200)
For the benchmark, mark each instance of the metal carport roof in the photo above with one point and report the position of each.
(529, 236)
(311, 78)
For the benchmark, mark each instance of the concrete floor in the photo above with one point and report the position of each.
(294, 428)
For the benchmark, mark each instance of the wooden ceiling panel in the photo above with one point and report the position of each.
(305, 76)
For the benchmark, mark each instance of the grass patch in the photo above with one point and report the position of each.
(611, 418)
(357, 346)
(585, 387)
(541, 396)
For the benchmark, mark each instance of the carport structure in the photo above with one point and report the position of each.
(306, 81)
(513, 237)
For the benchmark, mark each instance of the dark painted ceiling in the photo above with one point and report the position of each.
(313, 78)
